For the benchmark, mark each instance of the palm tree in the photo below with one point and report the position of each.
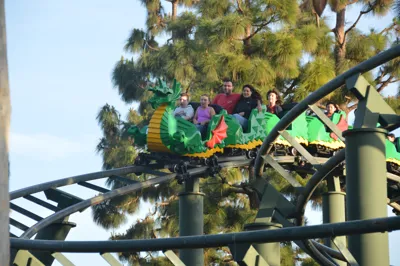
(5, 110)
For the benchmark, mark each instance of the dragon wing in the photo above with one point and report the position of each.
(218, 134)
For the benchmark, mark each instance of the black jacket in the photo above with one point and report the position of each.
(245, 105)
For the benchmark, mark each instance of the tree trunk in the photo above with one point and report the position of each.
(5, 109)
(174, 9)
(340, 44)
(247, 41)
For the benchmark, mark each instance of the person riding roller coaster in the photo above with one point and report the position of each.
(227, 100)
(170, 136)
(341, 121)
(249, 100)
(184, 110)
(274, 102)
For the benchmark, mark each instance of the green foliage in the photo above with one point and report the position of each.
(316, 74)
(309, 262)
(394, 102)
(287, 255)
(183, 26)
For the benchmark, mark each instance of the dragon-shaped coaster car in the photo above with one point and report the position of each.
(167, 134)
(170, 134)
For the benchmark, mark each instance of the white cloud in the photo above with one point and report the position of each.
(47, 147)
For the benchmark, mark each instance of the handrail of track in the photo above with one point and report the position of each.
(114, 193)
(216, 240)
(74, 179)
(319, 94)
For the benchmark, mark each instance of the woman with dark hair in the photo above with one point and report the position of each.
(274, 102)
(331, 108)
(249, 100)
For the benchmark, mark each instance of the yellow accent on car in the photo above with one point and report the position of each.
(332, 145)
(205, 154)
(284, 142)
(392, 160)
(154, 142)
(248, 146)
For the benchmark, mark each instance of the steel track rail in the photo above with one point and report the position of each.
(309, 189)
(217, 240)
(75, 179)
(114, 193)
(304, 105)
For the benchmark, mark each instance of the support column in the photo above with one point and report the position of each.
(55, 231)
(367, 192)
(191, 220)
(270, 252)
(333, 211)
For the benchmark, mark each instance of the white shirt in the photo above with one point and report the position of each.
(186, 113)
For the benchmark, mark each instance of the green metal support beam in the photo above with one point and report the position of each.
(269, 252)
(341, 246)
(300, 149)
(367, 192)
(62, 259)
(366, 170)
(250, 258)
(372, 108)
(191, 220)
(285, 174)
(333, 210)
(55, 231)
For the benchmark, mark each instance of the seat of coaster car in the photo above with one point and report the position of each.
(286, 108)
(216, 107)
(397, 143)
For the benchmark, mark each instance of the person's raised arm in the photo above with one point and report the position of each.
(212, 112)
(259, 107)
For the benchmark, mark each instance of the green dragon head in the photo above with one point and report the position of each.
(163, 94)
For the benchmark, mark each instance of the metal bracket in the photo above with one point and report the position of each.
(272, 202)
(24, 258)
(182, 172)
(62, 259)
(371, 107)
(333, 183)
(176, 261)
(345, 252)
(110, 259)
(290, 178)
(300, 149)
(214, 167)
(246, 255)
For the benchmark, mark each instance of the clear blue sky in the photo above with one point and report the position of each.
(61, 54)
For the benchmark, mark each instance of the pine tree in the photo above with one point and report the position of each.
(267, 43)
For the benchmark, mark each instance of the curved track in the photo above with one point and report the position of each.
(321, 168)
